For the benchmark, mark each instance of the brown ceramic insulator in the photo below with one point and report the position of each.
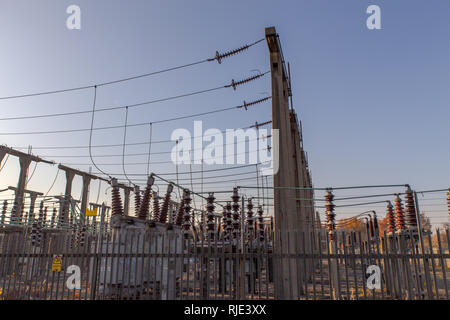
(5, 207)
(35, 233)
(166, 203)
(371, 228)
(250, 219)
(399, 217)
(156, 207)
(390, 218)
(330, 215)
(260, 223)
(220, 56)
(41, 213)
(236, 221)
(210, 213)
(187, 211)
(137, 200)
(44, 217)
(180, 214)
(227, 221)
(448, 201)
(52, 222)
(234, 84)
(375, 224)
(410, 210)
(224, 222)
(145, 203)
(82, 236)
(117, 209)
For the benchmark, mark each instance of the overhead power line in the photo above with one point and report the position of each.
(217, 58)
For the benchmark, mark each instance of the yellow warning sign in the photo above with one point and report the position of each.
(91, 213)
(57, 264)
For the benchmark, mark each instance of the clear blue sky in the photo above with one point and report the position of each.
(374, 104)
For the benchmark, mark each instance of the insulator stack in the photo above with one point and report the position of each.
(399, 217)
(371, 228)
(229, 227)
(220, 56)
(226, 221)
(260, 223)
(250, 228)
(156, 208)
(187, 212)
(137, 200)
(35, 239)
(245, 104)
(41, 213)
(180, 213)
(117, 209)
(448, 201)
(329, 206)
(390, 218)
(210, 210)
(82, 239)
(5, 207)
(166, 203)
(145, 204)
(44, 218)
(236, 223)
(52, 222)
(410, 210)
(235, 84)
(71, 225)
(375, 224)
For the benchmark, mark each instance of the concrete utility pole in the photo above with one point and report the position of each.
(70, 174)
(290, 217)
(25, 160)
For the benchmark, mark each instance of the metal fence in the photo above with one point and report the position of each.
(156, 263)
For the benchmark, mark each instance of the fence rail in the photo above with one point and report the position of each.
(162, 264)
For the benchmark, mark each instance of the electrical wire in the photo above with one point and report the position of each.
(53, 183)
(123, 149)
(174, 173)
(218, 57)
(149, 149)
(117, 126)
(32, 173)
(90, 134)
